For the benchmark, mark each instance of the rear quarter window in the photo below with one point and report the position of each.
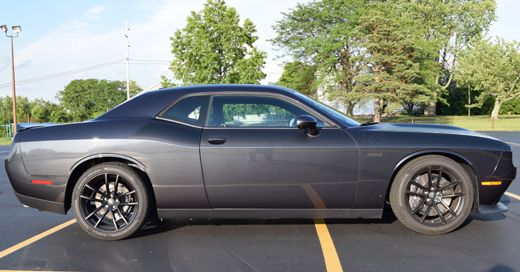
(190, 110)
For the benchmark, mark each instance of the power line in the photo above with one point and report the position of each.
(31, 80)
(97, 66)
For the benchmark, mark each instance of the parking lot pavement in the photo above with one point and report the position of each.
(483, 243)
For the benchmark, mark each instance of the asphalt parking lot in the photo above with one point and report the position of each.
(483, 243)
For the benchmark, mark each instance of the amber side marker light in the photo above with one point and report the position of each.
(489, 183)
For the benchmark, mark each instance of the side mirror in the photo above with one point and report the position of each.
(308, 122)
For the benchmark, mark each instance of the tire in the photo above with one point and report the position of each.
(114, 215)
(428, 204)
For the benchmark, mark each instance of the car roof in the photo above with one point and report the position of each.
(148, 104)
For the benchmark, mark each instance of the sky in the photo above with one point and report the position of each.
(63, 40)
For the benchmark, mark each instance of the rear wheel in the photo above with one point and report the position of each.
(432, 195)
(110, 201)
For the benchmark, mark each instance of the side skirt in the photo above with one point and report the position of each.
(270, 213)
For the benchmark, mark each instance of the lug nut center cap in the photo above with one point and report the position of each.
(113, 203)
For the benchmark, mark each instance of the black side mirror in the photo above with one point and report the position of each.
(308, 122)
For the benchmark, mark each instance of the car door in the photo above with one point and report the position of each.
(254, 156)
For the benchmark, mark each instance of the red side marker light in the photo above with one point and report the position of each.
(491, 183)
(42, 182)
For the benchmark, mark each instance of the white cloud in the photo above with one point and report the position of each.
(93, 13)
(85, 41)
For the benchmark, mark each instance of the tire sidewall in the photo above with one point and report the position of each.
(133, 179)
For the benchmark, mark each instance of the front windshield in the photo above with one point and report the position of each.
(337, 115)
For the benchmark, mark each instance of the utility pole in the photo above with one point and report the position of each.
(17, 30)
(469, 100)
(127, 63)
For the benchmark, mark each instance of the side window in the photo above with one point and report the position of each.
(190, 110)
(254, 111)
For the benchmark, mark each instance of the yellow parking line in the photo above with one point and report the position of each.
(36, 238)
(327, 246)
(512, 195)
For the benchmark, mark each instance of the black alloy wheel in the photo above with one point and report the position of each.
(432, 195)
(110, 201)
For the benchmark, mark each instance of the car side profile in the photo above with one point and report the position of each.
(251, 151)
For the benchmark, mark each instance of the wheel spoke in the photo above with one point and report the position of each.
(115, 186)
(94, 212)
(451, 185)
(127, 193)
(122, 216)
(430, 176)
(129, 203)
(418, 208)
(427, 212)
(101, 219)
(440, 213)
(448, 208)
(114, 219)
(106, 184)
(419, 185)
(92, 199)
(439, 178)
(414, 194)
(95, 190)
(453, 195)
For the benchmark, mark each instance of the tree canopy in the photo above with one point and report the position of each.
(86, 99)
(325, 33)
(443, 29)
(321, 34)
(214, 48)
(493, 69)
(300, 77)
(392, 72)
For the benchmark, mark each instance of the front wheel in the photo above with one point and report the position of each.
(110, 201)
(432, 195)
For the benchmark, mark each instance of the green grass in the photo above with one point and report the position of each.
(5, 141)
(478, 123)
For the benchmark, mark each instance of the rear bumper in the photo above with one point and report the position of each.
(40, 204)
(42, 196)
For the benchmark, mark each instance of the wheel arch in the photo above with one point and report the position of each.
(86, 163)
(464, 162)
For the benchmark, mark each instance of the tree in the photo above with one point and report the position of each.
(392, 73)
(300, 77)
(47, 112)
(510, 107)
(88, 98)
(6, 109)
(166, 82)
(443, 29)
(320, 34)
(458, 101)
(213, 48)
(493, 68)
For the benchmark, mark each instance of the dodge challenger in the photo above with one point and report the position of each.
(251, 151)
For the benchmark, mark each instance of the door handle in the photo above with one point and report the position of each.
(217, 140)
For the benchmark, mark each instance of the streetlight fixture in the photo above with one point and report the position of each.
(17, 30)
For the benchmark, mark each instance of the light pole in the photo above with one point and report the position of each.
(17, 30)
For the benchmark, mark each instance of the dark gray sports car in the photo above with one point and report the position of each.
(248, 151)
